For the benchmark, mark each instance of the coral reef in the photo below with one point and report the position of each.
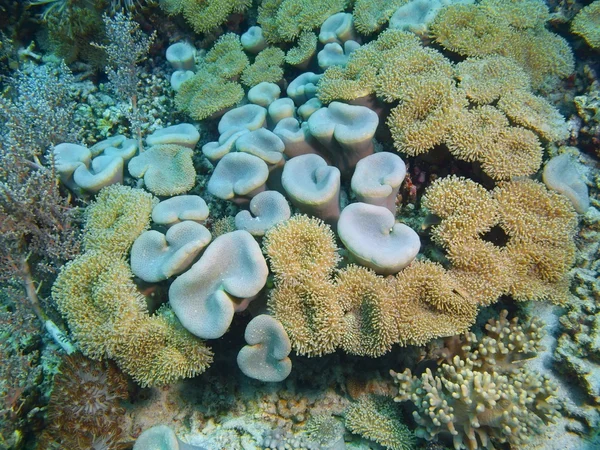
(482, 396)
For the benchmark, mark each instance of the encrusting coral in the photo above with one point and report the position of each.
(484, 395)
(107, 315)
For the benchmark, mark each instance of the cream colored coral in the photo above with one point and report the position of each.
(482, 396)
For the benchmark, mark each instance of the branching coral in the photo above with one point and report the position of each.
(377, 418)
(482, 397)
(107, 315)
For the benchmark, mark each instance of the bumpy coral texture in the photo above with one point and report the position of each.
(484, 395)
(107, 315)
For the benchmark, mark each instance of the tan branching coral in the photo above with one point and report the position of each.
(429, 304)
(369, 308)
(483, 396)
(377, 418)
(587, 24)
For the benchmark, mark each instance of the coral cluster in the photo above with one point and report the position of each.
(107, 315)
(484, 395)
(440, 103)
(539, 226)
(357, 310)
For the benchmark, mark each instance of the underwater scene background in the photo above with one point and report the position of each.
(300, 224)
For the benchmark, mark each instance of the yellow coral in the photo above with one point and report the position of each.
(302, 246)
(275, 17)
(425, 115)
(534, 112)
(310, 313)
(516, 152)
(117, 217)
(204, 15)
(267, 67)
(520, 14)
(379, 419)
(430, 304)
(304, 50)
(371, 15)
(369, 326)
(587, 24)
(485, 79)
(205, 95)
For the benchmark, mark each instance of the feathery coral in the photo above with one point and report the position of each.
(204, 15)
(429, 304)
(369, 327)
(267, 67)
(587, 24)
(377, 418)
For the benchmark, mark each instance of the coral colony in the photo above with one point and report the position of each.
(300, 224)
